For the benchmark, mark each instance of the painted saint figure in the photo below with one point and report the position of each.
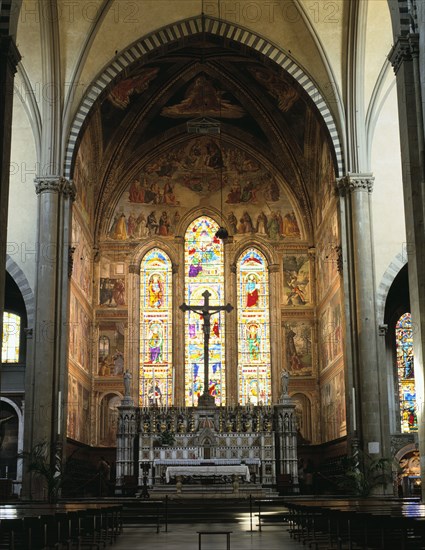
(155, 291)
(253, 342)
(155, 346)
(251, 291)
(155, 394)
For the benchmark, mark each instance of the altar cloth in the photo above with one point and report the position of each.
(207, 471)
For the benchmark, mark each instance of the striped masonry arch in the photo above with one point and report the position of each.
(398, 262)
(188, 28)
(5, 13)
(21, 281)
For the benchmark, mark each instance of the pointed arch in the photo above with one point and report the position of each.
(182, 31)
(22, 282)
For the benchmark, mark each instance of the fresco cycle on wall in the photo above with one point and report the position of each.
(299, 348)
(296, 280)
(191, 174)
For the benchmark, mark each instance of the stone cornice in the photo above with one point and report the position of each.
(355, 182)
(9, 51)
(405, 49)
(274, 268)
(55, 185)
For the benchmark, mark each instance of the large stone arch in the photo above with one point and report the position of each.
(9, 15)
(179, 31)
(20, 415)
(388, 277)
(21, 281)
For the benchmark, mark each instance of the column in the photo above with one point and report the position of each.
(9, 58)
(406, 62)
(47, 383)
(366, 389)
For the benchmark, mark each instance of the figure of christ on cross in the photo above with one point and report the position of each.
(206, 311)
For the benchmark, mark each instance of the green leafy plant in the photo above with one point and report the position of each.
(46, 466)
(365, 474)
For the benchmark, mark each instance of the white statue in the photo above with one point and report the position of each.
(127, 383)
(285, 380)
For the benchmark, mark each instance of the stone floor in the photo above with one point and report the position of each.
(185, 537)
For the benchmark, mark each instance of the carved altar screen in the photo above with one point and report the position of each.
(204, 270)
(253, 329)
(406, 374)
(11, 338)
(156, 374)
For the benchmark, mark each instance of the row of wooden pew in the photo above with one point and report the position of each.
(372, 523)
(39, 526)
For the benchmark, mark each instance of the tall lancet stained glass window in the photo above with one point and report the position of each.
(406, 373)
(204, 270)
(156, 374)
(11, 338)
(253, 329)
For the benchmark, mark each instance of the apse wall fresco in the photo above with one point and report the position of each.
(82, 259)
(296, 280)
(330, 332)
(80, 334)
(191, 174)
(85, 175)
(111, 348)
(78, 425)
(299, 347)
(112, 286)
(325, 184)
(330, 324)
(333, 423)
(327, 254)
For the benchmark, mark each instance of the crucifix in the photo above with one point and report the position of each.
(206, 311)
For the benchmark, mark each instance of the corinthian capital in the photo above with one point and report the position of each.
(9, 53)
(355, 182)
(55, 185)
(405, 49)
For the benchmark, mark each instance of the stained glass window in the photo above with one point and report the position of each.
(406, 374)
(156, 374)
(204, 270)
(253, 329)
(11, 338)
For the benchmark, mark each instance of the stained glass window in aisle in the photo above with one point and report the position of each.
(156, 374)
(11, 338)
(253, 329)
(204, 270)
(406, 374)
